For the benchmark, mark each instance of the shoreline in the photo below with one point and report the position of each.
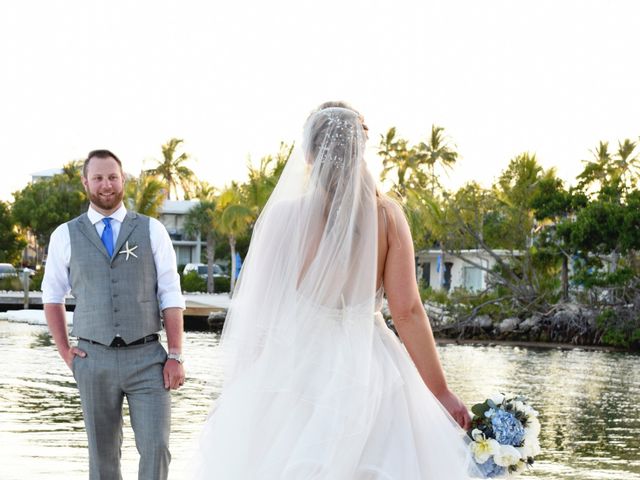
(530, 344)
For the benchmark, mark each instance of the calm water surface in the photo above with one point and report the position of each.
(589, 404)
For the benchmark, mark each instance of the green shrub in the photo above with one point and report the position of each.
(222, 284)
(11, 284)
(35, 283)
(427, 294)
(619, 328)
(192, 282)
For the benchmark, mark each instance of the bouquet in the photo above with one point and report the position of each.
(504, 433)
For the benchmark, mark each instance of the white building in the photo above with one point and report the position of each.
(172, 215)
(448, 272)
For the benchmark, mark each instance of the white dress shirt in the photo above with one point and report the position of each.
(56, 283)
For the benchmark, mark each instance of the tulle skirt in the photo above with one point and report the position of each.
(341, 400)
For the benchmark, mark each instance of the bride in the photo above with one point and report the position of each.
(316, 385)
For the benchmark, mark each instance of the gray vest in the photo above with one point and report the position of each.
(117, 295)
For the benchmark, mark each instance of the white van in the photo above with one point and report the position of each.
(201, 268)
(7, 270)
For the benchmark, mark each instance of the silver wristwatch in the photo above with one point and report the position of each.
(175, 356)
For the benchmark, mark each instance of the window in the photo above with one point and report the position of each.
(472, 278)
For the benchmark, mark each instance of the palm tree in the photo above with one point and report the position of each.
(263, 179)
(235, 221)
(410, 162)
(203, 190)
(399, 157)
(203, 219)
(144, 195)
(438, 151)
(172, 169)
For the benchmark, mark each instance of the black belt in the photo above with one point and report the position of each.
(118, 342)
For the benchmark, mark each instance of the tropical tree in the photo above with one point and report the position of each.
(235, 219)
(11, 242)
(263, 178)
(43, 205)
(172, 170)
(610, 175)
(144, 195)
(203, 190)
(607, 181)
(437, 151)
(415, 166)
(203, 219)
(554, 208)
(399, 158)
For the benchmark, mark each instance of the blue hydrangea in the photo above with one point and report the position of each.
(489, 469)
(507, 428)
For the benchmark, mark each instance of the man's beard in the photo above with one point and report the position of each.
(106, 203)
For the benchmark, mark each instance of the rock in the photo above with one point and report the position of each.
(531, 323)
(483, 321)
(508, 324)
(216, 319)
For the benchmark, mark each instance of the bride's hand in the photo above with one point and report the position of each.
(456, 408)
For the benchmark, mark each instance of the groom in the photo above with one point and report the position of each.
(121, 268)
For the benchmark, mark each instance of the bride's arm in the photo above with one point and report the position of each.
(409, 316)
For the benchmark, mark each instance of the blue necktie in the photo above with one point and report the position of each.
(107, 235)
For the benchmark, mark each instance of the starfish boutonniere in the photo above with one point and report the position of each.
(128, 251)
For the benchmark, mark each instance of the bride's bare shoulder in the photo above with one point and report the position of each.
(390, 210)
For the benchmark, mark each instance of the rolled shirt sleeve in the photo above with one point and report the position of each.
(169, 289)
(55, 284)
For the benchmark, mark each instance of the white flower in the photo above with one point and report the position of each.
(532, 430)
(525, 450)
(482, 447)
(530, 448)
(507, 456)
(534, 448)
(497, 398)
(519, 406)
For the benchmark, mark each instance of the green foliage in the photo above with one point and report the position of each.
(43, 205)
(192, 282)
(619, 329)
(172, 170)
(35, 282)
(11, 242)
(11, 284)
(144, 195)
(415, 166)
(597, 227)
(427, 294)
(514, 192)
(263, 179)
(495, 303)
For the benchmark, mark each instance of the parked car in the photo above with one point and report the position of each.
(201, 268)
(7, 270)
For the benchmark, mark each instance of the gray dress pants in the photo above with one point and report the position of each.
(104, 377)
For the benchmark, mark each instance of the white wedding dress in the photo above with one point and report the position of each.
(317, 387)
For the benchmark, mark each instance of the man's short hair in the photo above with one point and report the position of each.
(102, 153)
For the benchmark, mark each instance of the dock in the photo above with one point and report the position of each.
(201, 309)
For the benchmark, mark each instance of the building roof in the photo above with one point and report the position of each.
(46, 173)
(178, 206)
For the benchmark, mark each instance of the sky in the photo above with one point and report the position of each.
(234, 78)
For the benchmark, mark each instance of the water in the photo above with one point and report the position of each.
(589, 404)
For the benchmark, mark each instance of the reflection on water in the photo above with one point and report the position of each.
(589, 404)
